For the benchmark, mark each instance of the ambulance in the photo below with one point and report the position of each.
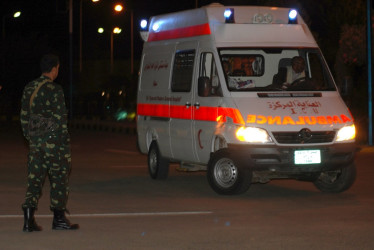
(243, 93)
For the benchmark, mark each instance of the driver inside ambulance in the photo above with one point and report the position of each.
(295, 74)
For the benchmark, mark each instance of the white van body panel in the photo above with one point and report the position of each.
(187, 49)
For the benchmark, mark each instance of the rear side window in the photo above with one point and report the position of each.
(182, 71)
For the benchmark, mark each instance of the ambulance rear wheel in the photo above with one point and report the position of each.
(226, 175)
(158, 166)
(336, 181)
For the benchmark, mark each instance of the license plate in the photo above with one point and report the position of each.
(307, 156)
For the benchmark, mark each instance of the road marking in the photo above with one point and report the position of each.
(118, 151)
(116, 214)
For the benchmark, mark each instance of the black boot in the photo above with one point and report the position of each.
(60, 222)
(29, 224)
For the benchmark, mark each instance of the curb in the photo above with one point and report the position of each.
(366, 149)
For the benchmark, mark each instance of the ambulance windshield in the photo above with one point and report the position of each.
(275, 69)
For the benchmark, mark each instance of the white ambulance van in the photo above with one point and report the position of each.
(244, 93)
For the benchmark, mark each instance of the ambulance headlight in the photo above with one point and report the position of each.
(229, 15)
(346, 133)
(292, 16)
(253, 135)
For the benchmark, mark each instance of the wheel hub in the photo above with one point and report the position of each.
(329, 177)
(225, 173)
(153, 162)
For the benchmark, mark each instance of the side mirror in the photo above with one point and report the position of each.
(346, 86)
(203, 86)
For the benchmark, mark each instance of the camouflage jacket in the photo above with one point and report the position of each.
(49, 102)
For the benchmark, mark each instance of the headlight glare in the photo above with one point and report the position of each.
(346, 133)
(253, 135)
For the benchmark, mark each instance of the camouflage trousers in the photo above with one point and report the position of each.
(48, 157)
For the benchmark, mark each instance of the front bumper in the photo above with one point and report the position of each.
(276, 158)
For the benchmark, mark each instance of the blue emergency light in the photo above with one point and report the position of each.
(155, 27)
(292, 16)
(143, 24)
(144, 29)
(229, 15)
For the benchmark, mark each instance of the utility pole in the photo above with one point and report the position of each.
(71, 58)
(370, 103)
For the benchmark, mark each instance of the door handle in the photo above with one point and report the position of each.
(188, 104)
(197, 105)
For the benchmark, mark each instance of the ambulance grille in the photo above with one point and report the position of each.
(299, 138)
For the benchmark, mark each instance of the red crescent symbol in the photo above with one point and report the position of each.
(198, 137)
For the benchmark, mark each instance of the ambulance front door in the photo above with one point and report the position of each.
(208, 98)
(181, 106)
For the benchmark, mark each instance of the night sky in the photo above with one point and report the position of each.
(43, 27)
(47, 21)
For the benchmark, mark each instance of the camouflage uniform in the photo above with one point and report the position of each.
(49, 153)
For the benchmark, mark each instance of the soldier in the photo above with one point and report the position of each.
(44, 124)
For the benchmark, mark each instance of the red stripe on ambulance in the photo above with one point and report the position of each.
(190, 31)
(216, 114)
(159, 110)
(220, 114)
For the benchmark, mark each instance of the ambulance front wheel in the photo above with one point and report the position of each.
(158, 166)
(336, 181)
(226, 175)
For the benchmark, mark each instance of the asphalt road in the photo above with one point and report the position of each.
(118, 206)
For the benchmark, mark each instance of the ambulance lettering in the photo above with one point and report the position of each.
(301, 120)
(158, 65)
(296, 106)
(164, 98)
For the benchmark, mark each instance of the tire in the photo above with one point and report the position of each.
(336, 181)
(158, 166)
(137, 144)
(226, 175)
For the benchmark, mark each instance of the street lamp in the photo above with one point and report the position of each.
(118, 7)
(116, 30)
(15, 15)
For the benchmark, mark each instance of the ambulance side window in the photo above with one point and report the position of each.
(209, 84)
(182, 71)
